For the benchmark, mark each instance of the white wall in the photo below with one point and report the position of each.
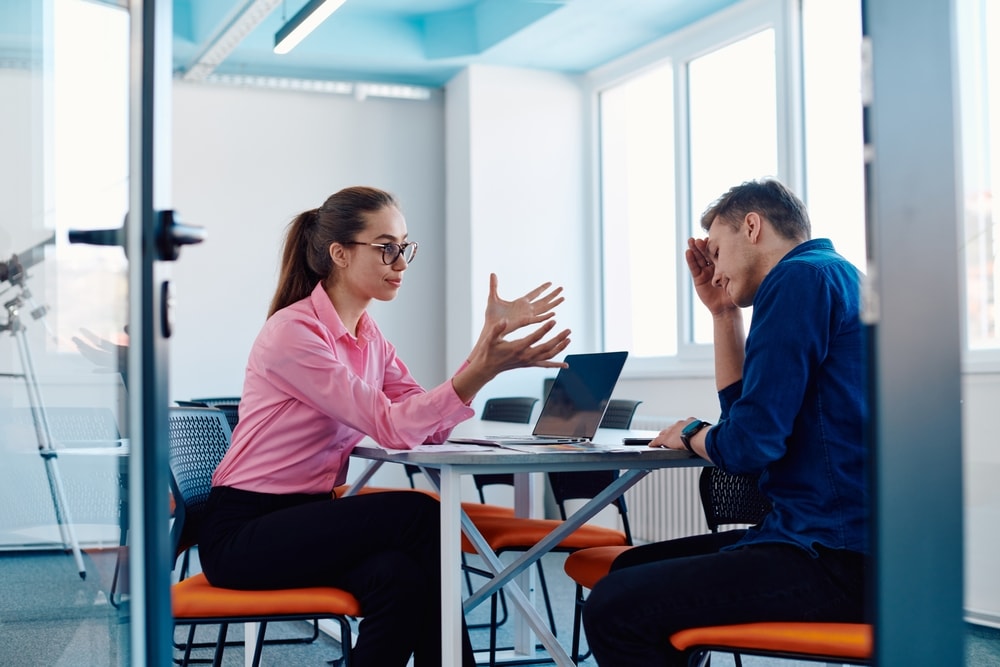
(516, 205)
(245, 163)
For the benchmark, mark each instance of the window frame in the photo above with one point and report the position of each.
(717, 31)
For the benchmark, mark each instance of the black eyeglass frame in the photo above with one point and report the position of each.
(391, 251)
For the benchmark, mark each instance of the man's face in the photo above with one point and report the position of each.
(735, 258)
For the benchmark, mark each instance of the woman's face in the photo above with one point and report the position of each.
(366, 275)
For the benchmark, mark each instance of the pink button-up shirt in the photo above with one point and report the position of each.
(312, 391)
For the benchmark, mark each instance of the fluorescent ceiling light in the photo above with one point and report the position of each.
(225, 42)
(303, 23)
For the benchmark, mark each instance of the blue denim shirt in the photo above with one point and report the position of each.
(797, 416)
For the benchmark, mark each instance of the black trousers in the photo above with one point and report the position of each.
(384, 548)
(657, 589)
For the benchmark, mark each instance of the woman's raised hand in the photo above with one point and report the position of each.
(494, 354)
(534, 307)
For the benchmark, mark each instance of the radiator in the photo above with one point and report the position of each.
(665, 505)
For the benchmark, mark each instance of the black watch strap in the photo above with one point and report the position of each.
(688, 432)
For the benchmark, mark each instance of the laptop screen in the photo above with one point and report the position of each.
(579, 396)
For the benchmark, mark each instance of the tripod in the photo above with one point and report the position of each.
(42, 431)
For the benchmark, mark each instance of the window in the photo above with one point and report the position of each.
(979, 80)
(709, 107)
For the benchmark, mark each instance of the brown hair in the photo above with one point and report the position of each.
(305, 260)
(769, 198)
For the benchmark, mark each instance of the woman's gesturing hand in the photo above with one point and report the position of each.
(534, 307)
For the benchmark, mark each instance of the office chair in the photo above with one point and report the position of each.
(198, 439)
(725, 499)
(218, 400)
(229, 407)
(568, 486)
(513, 410)
(619, 413)
(520, 534)
(736, 499)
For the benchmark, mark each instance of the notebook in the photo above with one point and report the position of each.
(574, 406)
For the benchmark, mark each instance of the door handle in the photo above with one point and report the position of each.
(170, 234)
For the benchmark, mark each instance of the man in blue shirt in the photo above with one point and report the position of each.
(792, 396)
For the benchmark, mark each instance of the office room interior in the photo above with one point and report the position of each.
(521, 171)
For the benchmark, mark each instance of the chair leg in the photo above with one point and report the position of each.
(185, 661)
(220, 644)
(545, 596)
(700, 659)
(259, 644)
(493, 629)
(577, 622)
(345, 641)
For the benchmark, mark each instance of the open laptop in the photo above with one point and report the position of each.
(574, 406)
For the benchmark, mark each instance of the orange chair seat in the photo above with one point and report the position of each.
(471, 509)
(834, 640)
(504, 532)
(588, 566)
(195, 598)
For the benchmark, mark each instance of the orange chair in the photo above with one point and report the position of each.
(730, 499)
(842, 643)
(520, 534)
(586, 567)
(198, 439)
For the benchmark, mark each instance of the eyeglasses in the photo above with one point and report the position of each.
(392, 251)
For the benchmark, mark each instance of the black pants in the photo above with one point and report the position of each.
(384, 548)
(658, 589)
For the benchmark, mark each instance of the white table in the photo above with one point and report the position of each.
(445, 469)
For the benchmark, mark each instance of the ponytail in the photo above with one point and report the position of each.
(305, 260)
(297, 278)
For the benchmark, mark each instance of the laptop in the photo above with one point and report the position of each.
(575, 404)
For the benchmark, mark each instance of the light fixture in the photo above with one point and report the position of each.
(303, 23)
(226, 40)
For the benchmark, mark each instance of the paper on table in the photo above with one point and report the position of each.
(447, 447)
(571, 448)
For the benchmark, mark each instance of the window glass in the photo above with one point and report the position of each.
(732, 116)
(638, 208)
(834, 137)
(979, 76)
(721, 106)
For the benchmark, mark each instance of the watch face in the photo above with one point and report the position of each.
(693, 427)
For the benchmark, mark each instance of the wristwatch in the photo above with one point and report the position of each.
(688, 432)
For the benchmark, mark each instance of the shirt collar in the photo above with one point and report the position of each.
(329, 316)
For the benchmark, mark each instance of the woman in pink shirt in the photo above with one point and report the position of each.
(321, 376)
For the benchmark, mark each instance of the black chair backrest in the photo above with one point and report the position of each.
(731, 499)
(584, 486)
(512, 409)
(198, 439)
(619, 413)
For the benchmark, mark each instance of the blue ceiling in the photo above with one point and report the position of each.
(426, 42)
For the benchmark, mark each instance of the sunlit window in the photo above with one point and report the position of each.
(732, 110)
(727, 102)
(638, 208)
(87, 187)
(979, 75)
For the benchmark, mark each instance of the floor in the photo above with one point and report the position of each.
(49, 617)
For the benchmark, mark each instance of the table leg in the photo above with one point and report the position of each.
(524, 639)
(451, 566)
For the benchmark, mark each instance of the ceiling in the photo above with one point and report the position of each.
(422, 42)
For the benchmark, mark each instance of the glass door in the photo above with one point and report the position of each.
(84, 326)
